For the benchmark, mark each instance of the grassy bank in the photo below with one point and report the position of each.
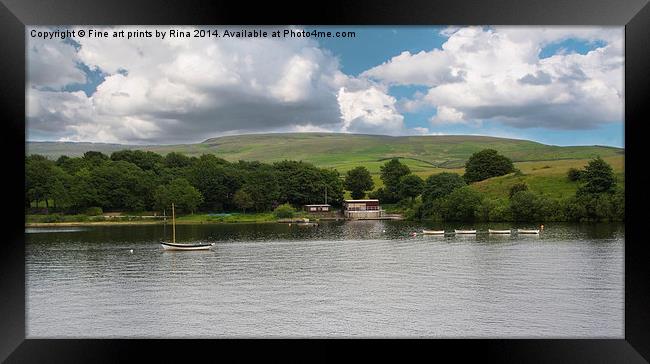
(229, 218)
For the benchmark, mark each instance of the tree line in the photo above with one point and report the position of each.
(135, 180)
(450, 197)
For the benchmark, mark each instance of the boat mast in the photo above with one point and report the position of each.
(173, 225)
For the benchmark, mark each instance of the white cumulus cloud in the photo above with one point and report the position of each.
(497, 74)
(369, 110)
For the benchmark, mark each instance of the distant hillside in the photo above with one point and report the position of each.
(344, 151)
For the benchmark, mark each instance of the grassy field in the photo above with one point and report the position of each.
(36, 220)
(547, 177)
(345, 151)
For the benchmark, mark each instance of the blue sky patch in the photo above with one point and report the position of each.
(375, 45)
(572, 45)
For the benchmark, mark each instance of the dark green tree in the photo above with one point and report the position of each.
(440, 185)
(391, 173)
(146, 160)
(83, 193)
(243, 200)
(358, 181)
(177, 160)
(598, 177)
(486, 164)
(263, 187)
(94, 158)
(215, 180)
(122, 185)
(462, 204)
(410, 186)
(39, 179)
(179, 192)
(334, 185)
(302, 183)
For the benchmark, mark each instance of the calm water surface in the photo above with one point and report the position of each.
(340, 279)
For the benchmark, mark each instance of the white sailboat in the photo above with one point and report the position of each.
(177, 246)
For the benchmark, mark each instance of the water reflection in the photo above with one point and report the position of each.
(361, 278)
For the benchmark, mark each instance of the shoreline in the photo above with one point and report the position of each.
(187, 222)
(108, 223)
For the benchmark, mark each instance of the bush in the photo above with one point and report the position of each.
(574, 174)
(461, 205)
(486, 164)
(494, 210)
(596, 207)
(518, 187)
(414, 212)
(94, 211)
(53, 218)
(440, 185)
(284, 211)
(528, 206)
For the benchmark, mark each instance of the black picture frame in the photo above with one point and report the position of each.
(633, 14)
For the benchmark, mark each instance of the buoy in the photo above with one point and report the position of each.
(383, 231)
(131, 251)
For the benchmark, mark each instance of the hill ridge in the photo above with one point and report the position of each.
(341, 150)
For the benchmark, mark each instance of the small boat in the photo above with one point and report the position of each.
(182, 246)
(306, 224)
(196, 246)
(527, 231)
(491, 231)
(433, 232)
(465, 231)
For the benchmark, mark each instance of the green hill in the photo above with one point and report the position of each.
(344, 151)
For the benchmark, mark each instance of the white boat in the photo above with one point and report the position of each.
(491, 231)
(433, 232)
(465, 231)
(527, 231)
(182, 246)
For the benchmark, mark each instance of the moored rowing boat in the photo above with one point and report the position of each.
(433, 232)
(527, 231)
(465, 231)
(491, 231)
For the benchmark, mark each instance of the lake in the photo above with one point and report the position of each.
(339, 279)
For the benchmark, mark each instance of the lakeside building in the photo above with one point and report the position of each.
(318, 208)
(362, 209)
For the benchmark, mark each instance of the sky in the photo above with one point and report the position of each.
(555, 85)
